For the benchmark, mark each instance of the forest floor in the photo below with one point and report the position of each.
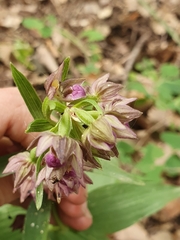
(100, 36)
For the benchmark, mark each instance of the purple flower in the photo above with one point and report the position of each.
(77, 91)
(52, 83)
(99, 140)
(62, 166)
(123, 112)
(67, 90)
(24, 174)
(51, 160)
(101, 136)
(105, 91)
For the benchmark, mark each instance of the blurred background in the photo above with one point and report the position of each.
(138, 43)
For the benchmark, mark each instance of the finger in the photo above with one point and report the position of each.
(6, 192)
(73, 210)
(76, 198)
(7, 146)
(80, 224)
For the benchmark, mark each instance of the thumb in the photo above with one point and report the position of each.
(15, 118)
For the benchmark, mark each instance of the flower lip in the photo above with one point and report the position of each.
(76, 92)
(52, 161)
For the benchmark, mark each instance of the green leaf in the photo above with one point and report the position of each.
(169, 71)
(172, 166)
(125, 147)
(111, 173)
(23, 52)
(70, 234)
(92, 35)
(145, 64)
(117, 206)
(171, 138)
(65, 68)
(151, 153)
(39, 189)
(36, 222)
(39, 196)
(28, 93)
(55, 105)
(33, 23)
(134, 85)
(8, 214)
(39, 125)
(46, 109)
(65, 124)
(83, 116)
(88, 102)
(46, 32)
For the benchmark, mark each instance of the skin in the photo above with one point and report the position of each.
(14, 119)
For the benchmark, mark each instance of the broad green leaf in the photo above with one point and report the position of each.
(65, 68)
(39, 125)
(70, 234)
(151, 153)
(36, 221)
(28, 93)
(117, 206)
(8, 214)
(111, 173)
(171, 138)
(125, 147)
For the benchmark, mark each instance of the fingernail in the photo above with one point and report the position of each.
(86, 210)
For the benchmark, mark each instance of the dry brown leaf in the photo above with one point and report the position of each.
(167, 117)
(105, 12)
(134, 232)
(44, 57)
(5, 52)
(162, 235)
(132, 5)
(169, 212)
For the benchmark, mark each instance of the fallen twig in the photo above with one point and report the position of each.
(134, 54)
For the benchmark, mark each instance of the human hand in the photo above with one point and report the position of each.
(14, 119)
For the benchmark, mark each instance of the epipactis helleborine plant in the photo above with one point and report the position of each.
(83, 122)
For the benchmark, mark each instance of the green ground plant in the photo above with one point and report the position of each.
(124, 191)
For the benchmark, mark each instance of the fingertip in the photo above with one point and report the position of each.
(78, 198)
